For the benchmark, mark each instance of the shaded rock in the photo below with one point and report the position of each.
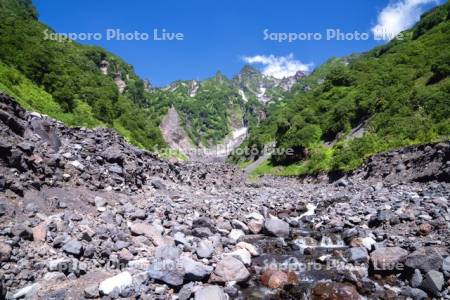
(158, 184)
(445, 266)
(416, 278)
(194, 271)
(202, 232)
(424, 259)
(414, 293)
(5, 252)
(433, 282)
(22, 231)
(230, 269)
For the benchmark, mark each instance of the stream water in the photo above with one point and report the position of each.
(305, 255)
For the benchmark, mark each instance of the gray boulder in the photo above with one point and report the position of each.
(433, 282)
(230, 269)
(276, 227)
(424, 259)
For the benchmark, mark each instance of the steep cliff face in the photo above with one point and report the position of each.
(215, 114)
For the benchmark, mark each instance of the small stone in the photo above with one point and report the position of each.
(425, 229)
(99, 202)
(91, 291)
(235, 235)
(358, 254)
(445, 265)
(125, 255)
(241, 254)
(205, 249)
(249, 247)
(416, 279)
(202, 232)
(5, 252)
(40, 232)
(79, 166)
(255, 226)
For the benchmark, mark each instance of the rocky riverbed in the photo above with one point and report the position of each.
(85, 215)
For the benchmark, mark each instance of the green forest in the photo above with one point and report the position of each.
(399, 92)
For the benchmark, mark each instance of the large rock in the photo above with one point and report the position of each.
(211, 292)
(424, 259)
(148, 230)
(166, 266)
(230, 269)
(413, 293)
(73, 247)
(194, 271)
(28, 292)
(120, 282)
(388, 259)
(276, 227)
(433, 282)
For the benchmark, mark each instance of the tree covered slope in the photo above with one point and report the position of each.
(399, 94)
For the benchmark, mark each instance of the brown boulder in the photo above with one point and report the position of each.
(334, 291)
(277, 279)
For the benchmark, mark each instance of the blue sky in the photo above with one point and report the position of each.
(222, 35)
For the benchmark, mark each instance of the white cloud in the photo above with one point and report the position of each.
(278, 66)
(398, 16)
